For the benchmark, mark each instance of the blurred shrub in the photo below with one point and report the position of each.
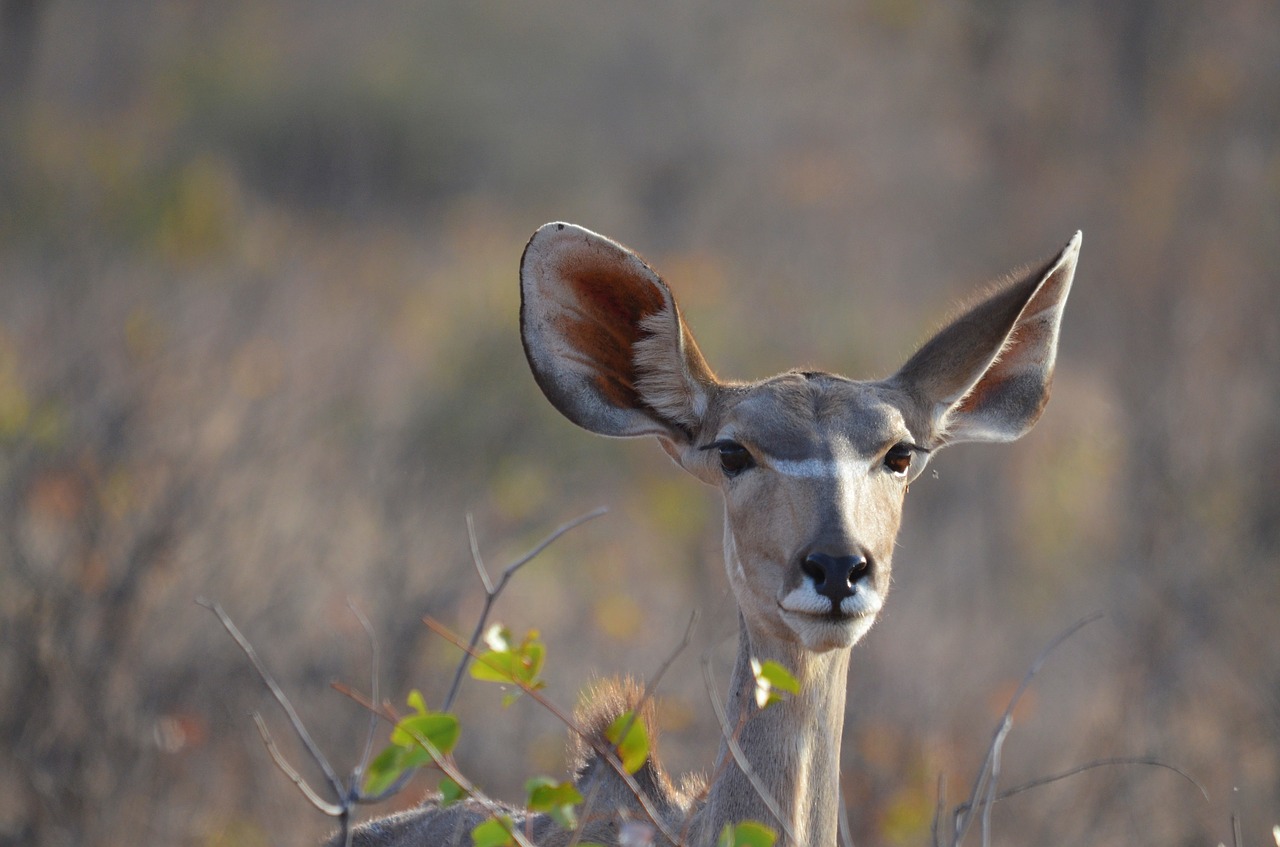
(258, 341)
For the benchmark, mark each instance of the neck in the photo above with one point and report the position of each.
(793, 747)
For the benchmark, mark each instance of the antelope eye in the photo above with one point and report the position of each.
(734, 458)
(898, 459)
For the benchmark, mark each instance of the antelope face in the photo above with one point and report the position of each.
(813, 468)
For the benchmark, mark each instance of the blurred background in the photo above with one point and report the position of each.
(258, 342)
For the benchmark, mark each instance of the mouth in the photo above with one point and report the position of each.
(832, 617)
(808, 605)
(821, 625)
(829, 630)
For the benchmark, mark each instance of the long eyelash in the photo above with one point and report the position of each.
(715, 445)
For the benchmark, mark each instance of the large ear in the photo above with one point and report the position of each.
(605, 339)
(986, 375)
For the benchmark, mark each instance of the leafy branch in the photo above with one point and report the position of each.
(429, 733)
(492, 592)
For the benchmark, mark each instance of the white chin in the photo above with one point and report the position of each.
(823, 633)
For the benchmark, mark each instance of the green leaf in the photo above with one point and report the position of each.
(556, 799)
(494, 666)
(753, 834)
(440, 729)
(495, 832)
(533, 655)
(520, 663)
(406, 751)
(772, 678)
(746, 834)
(450, 792)
(633, 749)
(534, 783)
(384, 770)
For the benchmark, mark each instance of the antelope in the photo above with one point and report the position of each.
(813, 469)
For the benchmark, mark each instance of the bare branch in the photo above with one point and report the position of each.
(354, 788)
(741, 758)
(846, 833)
(492, 592)
(1088, 766)
(650, 687)
(997, 751)
(587, 803)
(331, 809)
(476, 558)
(990, 767)
(278, 693)
(938, 810)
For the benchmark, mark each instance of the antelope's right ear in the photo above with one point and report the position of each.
(986, 376)
(605, 339)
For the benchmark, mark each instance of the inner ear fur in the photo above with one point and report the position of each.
(605, 339)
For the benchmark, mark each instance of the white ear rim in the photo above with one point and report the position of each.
(984, 426)
(986, 374)
(671, 399)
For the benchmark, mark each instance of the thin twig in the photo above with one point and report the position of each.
(276, 692)
(939, 809)
(476, 558)
(846, 833)
(741, 758)
(587, 803)
(355, 791)
(1087, 766)
(997, 751)
(492, 592)
(331, 809)
(980, 784)
(380, 711)
(374, 692)
(650, 687)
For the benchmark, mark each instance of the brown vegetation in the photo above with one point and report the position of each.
(258, 341)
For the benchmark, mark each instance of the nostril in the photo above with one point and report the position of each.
(814, 567)
(834, 577)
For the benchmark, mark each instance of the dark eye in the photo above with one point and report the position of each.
(734, 458)
(898, 459)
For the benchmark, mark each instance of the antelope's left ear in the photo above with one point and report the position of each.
(605, 339)
(986, 375)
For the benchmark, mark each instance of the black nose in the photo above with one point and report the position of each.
(834, 576)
